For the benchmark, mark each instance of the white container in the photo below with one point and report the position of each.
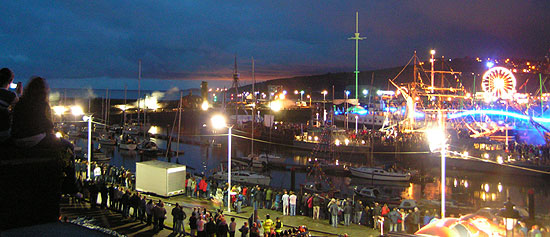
(161, 178)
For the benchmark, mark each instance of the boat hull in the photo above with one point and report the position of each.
(129, 147)
(387, 176)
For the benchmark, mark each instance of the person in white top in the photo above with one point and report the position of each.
(292, 201)
(285, 204)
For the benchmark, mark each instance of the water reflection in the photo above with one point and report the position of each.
(464, 189)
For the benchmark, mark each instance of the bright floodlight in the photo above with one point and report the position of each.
(347, 92)
(436, 138)
(365, 92)
(302, 92)
(490, 64)
(59, 110)
(218, 121)
(432, 52)
(204, 105)
(77, 110)
(58, 135)
(86, 118)
(276, 106)
(295, 92)
(324, 92)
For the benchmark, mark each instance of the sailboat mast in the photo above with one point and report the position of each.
(139, 90)
(253, 107)
(179, 126)
(356, 38)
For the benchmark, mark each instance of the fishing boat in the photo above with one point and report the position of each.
(106, 139)
(379, 174)
(148, 146)
(126, 142)
(262, 160)
(244, 176)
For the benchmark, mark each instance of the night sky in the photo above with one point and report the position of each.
(98, 43)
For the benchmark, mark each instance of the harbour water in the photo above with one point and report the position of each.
(466, 190)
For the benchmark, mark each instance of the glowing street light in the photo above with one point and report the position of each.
(325, 92)
(437, 140)
(219, 122)
(204, 105)
(432, 52)
(59, 110)
(302, 95)
(77, 110)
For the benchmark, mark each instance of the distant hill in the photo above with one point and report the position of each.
(379, 78)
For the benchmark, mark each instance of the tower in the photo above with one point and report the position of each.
(235, 80)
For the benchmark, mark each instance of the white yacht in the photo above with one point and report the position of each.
(244, 176)
(379, 174)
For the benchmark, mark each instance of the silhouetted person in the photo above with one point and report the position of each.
(33, 178)
(7, 101)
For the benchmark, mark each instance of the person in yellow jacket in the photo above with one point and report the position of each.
(267, 224)
(278, 225)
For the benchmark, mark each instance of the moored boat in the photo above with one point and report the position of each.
(244, 176)
(379, 174)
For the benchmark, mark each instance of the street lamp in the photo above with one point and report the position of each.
(509, 215)
(432, 52)
(218, 122)
(325, 92)
(89, 120)
(436, 139)
(347, 119)
(302, 95)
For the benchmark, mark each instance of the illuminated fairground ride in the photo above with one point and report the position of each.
(499, 82)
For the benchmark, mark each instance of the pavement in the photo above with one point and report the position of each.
(127, 226)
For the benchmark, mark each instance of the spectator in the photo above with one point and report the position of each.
(316, 202)
(358, 210)
(193, 223)
(201, 226)
(176, 214)
(160, 214)
(149, 210)
(278, 225)
(348, 210)
(267, 224)
(286, 198)
(333, 209)
(232, 227)
(292, 201)
(7, 99)
(244, 230)
(32, 123)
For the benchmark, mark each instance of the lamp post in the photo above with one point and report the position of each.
(302, 95)
(436, 139)
(218, 122)
(347, 119)
(510, 216)
(432, 52)
(325, 92)
(89, 120)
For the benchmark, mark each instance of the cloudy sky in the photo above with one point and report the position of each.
(181, 42)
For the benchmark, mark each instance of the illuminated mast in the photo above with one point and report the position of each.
(356, 38)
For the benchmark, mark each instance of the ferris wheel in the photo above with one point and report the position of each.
(499, 82)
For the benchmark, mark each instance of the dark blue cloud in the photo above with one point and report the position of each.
(197, 40)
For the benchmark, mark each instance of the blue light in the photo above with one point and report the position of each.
(419, 114)
(392, 109)
(499, 112)
(347, 92)
(490, 64)
(362, 112)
